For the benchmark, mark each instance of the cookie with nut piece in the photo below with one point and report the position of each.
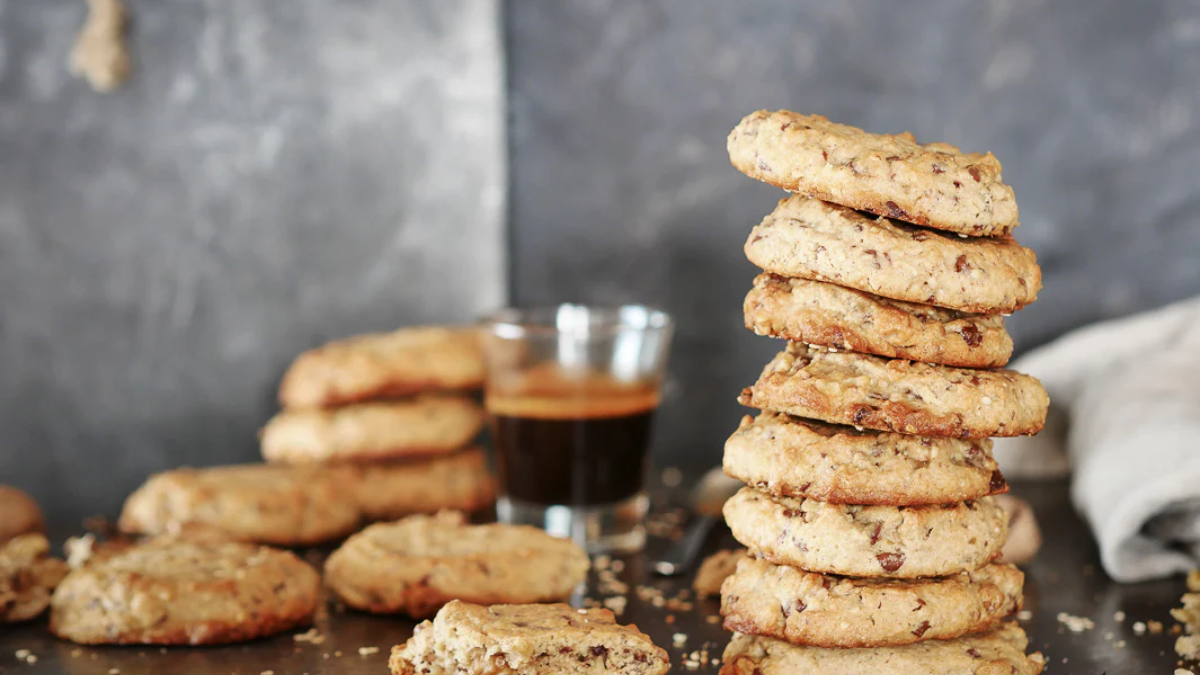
(527, 640)
(820, 610)
(796, 457)
(903, 542)
(812, 239)
(933, 184)
(185, 591)
(999, 651)
(907, 397)
(828, 315)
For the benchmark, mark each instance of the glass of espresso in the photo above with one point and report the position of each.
(571, 396)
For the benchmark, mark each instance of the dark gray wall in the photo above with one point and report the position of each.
(277, 173)
(622, 191)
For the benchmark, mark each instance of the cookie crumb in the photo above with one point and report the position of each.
(616, 604)
(1155, 627)
(713, 619)
(311, 636)
(679, 640)
(1139, 628)
(1024, 615)
(367, 651)
(672, 477)
(1183, 671)
(1119, 616)
(1076, 624)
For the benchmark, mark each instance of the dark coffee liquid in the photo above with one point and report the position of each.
(577, 443)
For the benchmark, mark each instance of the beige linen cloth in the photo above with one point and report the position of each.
(1125, 423)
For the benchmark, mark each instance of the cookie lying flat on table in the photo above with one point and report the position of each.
(390, 490)
(796, 457)
(997, 652)
(470, 639)
(828, 315)
(427, 425)
(715, 569)
(27, 577)
(418, 564)
(934, 184)
(19, 514)
(384, 365)
(868, 541)
(906, 397)
(270, 504)
(807, 608)
(171, 591)
(811, 239)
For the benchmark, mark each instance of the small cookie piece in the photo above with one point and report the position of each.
(812, 239)
(715, 569)
(172, 591)
(933, 184)
(427, 425)
(384, 365)
(391, 490)
(269, 504)
(806, 608)
(526, 640)
(418, 564)
(997, 652)
(828, 315)
(902, 542)
(794, 457)
(907, 397)
(19, 514)
(27, 577)
(1024, 535)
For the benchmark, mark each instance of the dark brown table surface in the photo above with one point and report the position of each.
(1066, 577)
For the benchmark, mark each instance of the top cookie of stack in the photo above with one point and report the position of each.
(868, 515)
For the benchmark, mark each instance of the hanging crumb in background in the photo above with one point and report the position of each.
(99, 54)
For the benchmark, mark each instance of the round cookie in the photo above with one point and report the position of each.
(416, 565)
(811, 239)
(27, 577)
(172, 591)
(997, 652)
(386, 491)
(902, 542)
(427, 425)
(817, 313)
(794, 457)
(384, 365)
(907, 397)
(279, 505)
(19, 514)
(806, 608)
(932, 184)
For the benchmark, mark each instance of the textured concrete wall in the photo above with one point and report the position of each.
(278, 172)
(621, 189)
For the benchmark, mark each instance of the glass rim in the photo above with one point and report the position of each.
(515, 322)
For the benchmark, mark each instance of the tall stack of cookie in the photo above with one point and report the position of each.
(868, 512)
(394, 413)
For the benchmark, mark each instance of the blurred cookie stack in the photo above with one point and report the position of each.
(868, 516)
(393, 412)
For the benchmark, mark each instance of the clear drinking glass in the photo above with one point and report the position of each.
(571, 396)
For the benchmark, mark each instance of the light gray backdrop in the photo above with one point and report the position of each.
(283, 171)
(622, 190)
(276, 173)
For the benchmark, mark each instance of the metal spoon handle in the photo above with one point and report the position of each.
(682, 554)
